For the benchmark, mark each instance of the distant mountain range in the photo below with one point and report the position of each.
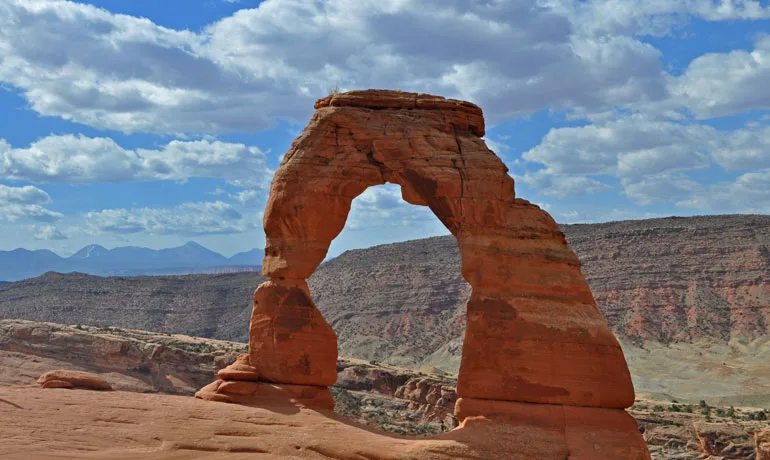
(668, 281)
(128, 260)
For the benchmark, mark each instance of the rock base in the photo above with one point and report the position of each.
(265, 394)
(584, 433)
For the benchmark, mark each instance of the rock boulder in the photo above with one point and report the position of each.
(73, 379)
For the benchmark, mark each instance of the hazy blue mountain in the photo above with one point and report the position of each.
(127, 260)
(91, 251)
(23, 263)
(253, 257)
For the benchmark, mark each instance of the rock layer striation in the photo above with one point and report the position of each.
(536, 346)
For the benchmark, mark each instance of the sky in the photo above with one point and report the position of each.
(153, 123)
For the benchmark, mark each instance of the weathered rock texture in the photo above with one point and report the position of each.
(128, 359)
(534, 333)
(762, 442)
(47, 424)
(64, 378)
(239, 383)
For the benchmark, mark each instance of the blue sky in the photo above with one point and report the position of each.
(138, 122)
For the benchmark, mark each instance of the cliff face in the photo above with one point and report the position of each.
(679, 279)
(663, 280)
(215, 306)
(398, 302)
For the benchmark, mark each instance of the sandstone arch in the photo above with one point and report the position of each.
(534, 333)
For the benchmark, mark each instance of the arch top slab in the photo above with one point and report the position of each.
(534, 333)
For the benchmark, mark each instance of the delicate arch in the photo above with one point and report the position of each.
(534, 332)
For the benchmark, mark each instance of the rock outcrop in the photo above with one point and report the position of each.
(536, 347)
(239, 383)
(128, 359)
(63, 378)
(762, 442)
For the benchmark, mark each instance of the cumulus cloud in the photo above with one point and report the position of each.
(382, 206)
(645, 17)
(719, 84)
(748, 193)
(25, 203)
(199, 218)
(247, 198)
(46, 232)
(649, 158)
(243, 72)
(562, 185)
(80, 159)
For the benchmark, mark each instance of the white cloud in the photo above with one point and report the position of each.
(241, 73)
(79, 159)
(719, 84)
(663, 188)
(749, 193)
(17, 203)
(382, 206)
(23, 195)
(654, 17)
(648, 158)
(199, 218)
(628, 147)
(247, 198)
(562, 185)
(46, 232)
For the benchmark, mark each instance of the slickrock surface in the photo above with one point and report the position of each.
(382, 397)
(64, 378)
(128, 360)
(45, 424)
(377, 395)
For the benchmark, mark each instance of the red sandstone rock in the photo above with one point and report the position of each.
(51, 383)
(762, 441)
(587, 433)
(73, 379)
(289, 340)
(534, 332)
(241, 369)
(44, 424)
(262, 394)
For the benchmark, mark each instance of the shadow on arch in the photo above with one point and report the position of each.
(534, 333)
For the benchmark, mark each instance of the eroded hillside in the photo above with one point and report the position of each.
(673, 280)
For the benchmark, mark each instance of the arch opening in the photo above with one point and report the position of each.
(534, 336)
(392, 310)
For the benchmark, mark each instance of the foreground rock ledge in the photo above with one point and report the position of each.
(56, 423)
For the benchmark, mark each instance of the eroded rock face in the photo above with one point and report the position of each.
(762, 441)
(63, 378)
(534, 333)
(290, 342)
